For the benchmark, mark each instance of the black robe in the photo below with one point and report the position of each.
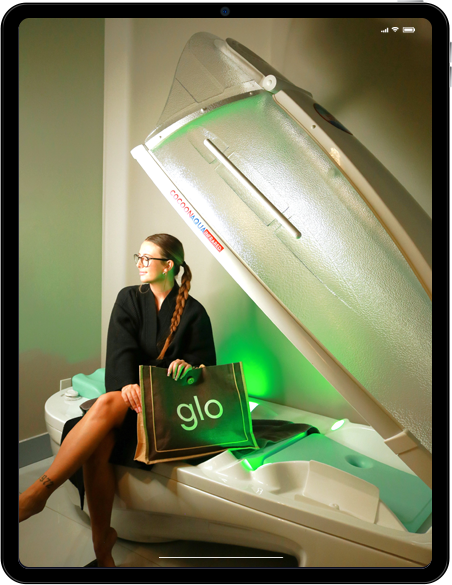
(136, 334)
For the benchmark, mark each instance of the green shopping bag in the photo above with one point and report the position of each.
(204, 413)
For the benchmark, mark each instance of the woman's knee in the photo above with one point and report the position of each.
(110, 405)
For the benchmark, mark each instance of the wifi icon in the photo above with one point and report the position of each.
(395, 28)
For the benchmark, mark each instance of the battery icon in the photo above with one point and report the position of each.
(408, 29)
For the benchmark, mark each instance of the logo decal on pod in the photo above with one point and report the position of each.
(330, 118)
(196, 220)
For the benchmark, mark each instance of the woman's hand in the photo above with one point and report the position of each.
(178, 369)
(131, 395)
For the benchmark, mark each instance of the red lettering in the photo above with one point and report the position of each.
(213, 241)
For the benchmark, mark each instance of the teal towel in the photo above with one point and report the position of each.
(91, 386)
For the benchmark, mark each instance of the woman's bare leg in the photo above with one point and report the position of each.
(107, 413)
(100, 487)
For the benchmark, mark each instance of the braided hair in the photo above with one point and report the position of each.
(172, 248)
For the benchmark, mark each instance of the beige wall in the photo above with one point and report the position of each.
(385, 103)
(60, 207)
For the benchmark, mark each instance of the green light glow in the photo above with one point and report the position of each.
(254, 463)
(337, 425)
(258, 458)
(246, 465)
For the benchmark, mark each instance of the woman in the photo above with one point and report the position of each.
(156, 323)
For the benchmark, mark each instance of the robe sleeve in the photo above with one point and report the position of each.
(200, 347)
(123, 349)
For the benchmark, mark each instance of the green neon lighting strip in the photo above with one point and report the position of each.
(255, 460)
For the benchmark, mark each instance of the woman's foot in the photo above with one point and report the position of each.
(104, 548)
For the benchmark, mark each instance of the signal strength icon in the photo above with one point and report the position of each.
(386, 30)
(395, 28)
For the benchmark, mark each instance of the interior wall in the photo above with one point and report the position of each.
(61, 69)
(349, 87)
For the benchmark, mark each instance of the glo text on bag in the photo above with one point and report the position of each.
(193, 417)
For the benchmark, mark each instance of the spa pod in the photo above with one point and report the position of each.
(272, 183)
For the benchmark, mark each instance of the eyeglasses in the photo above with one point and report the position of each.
(145, 259)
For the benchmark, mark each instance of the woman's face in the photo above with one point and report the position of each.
(156, 270)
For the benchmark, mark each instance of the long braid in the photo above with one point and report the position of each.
(181, 300)
(173, 249)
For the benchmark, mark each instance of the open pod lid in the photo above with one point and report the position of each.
(312, 226)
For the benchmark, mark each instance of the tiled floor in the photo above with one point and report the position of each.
(60, 536)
